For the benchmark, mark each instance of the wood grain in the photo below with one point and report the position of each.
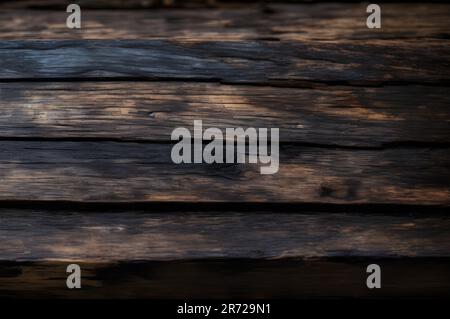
(124, 172)
(150, 111)
(92, 236)
(263, 62)
(86, 117)
(299, 22)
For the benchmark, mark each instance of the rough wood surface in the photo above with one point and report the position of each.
(150, 111)
(113, 4)
(118, 172)
(29, 235)
(263, 62)
(232, 278)
(323, 21)
(363, 116)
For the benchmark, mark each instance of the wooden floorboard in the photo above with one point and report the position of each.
(262, 62)
(150, 111)
(120, 236)
(285, 22)
(121, 172)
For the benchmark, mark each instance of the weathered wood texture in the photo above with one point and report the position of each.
(117, 172)
(120, 4)
(136, 235)
(150, 111)
(323, 21)
(68, 136)
(365, 121)
(139, 4)
(263, 62)
(231, 278)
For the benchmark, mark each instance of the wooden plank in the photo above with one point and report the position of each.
(323, 21)
(264, 62)
(93, 236)
(137, 4)
(108, 4)
(150, 111)
(238, 279)
(124, 172)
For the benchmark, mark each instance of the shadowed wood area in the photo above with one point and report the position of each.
(116, 4)
(286, 22)
(95, 236)
(371, 117)
(118, 172)
(231, 278)
(86, 173)
(263, 62)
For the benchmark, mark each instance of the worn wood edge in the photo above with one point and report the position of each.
(150, 111)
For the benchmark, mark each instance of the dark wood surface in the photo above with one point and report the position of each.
(121, 172)
(237, 279)
(86, 117)
(149, 111)
(238, 62)
(286, 22)
(121, 236)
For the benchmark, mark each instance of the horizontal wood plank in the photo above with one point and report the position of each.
(123, 172)
(298, 22)
(235, 278)
(151, 111)
(114, 4)
(90, 236)
(263, 62)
